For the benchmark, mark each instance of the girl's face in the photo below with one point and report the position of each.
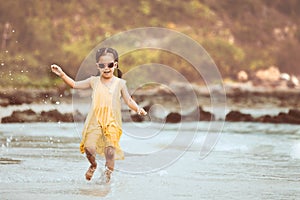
(106, 65)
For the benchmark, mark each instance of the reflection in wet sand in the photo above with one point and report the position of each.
(96, 190)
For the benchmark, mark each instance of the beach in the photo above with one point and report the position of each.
(249, 161)
(219, 82)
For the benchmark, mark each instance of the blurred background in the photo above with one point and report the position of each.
(242, 37)
(254, 43)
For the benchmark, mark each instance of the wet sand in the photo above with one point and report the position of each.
(250, 161)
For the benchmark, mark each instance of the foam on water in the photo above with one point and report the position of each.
(250, 161)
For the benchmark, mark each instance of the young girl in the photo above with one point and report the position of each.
(102, 128)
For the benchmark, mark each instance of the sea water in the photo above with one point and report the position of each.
(247, 161)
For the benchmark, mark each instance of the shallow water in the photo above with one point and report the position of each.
(249, 161)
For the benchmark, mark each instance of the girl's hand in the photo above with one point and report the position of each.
(141, 111)
(57, 70)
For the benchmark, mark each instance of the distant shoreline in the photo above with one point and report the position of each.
(235, 93)
(259, 104)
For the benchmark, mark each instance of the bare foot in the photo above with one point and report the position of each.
(89, 173)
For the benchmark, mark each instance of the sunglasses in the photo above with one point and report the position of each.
(109, 65)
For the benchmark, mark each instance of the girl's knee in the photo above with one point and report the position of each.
(110, 152)
(90, 151)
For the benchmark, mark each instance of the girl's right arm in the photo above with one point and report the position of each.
(84, 84)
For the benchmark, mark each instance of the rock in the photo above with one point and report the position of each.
(28, 96)
(136, 118)
(292, 117)
(206, 116)
(173, 117)
(4, 102)
(242, 76)
(236, 116)
(199, 115)
(294, 113)
(21, 117)
(147, 107)
(17, 100)
(56, 116)
(44, 116)
(265, 119)
(271, 74)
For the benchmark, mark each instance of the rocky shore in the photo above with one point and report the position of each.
(237, 96)
(28, 116)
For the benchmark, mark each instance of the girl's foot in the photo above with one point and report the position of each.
(106, 175)
(89, 173)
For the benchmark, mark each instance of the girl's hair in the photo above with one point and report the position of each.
(104, 51)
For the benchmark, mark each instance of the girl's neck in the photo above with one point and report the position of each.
(107, 80)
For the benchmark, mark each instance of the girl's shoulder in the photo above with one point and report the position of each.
(94, 77)
(121, 81)
(93, 80)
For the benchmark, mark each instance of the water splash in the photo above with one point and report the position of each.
(8, 141)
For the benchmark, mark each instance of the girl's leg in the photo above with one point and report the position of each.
(91, 156)
(110, 161)
(110, 157)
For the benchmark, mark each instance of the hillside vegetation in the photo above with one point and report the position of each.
(248, 34)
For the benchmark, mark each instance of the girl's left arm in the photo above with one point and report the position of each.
(130, 102)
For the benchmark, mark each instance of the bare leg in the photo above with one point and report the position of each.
(110, 157)
(91, 156)
(110, 161)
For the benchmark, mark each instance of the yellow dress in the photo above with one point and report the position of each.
(103, 125)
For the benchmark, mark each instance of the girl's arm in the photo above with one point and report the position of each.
(131, 103)
(68, 80)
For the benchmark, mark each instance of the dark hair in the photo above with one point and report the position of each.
(105, 50)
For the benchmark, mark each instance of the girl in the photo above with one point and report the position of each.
(102, 128)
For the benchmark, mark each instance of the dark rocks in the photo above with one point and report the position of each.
(197, 115)
(4, 102)
(55, 116)
(44, 116)
(21, 117)
(292, 117)
(137, 118)
(28, 96)
(288, 118)
(206, 116)
(294, 113)
(173, 117)
(236, 116)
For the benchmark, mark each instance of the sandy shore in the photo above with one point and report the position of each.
(260, 165)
